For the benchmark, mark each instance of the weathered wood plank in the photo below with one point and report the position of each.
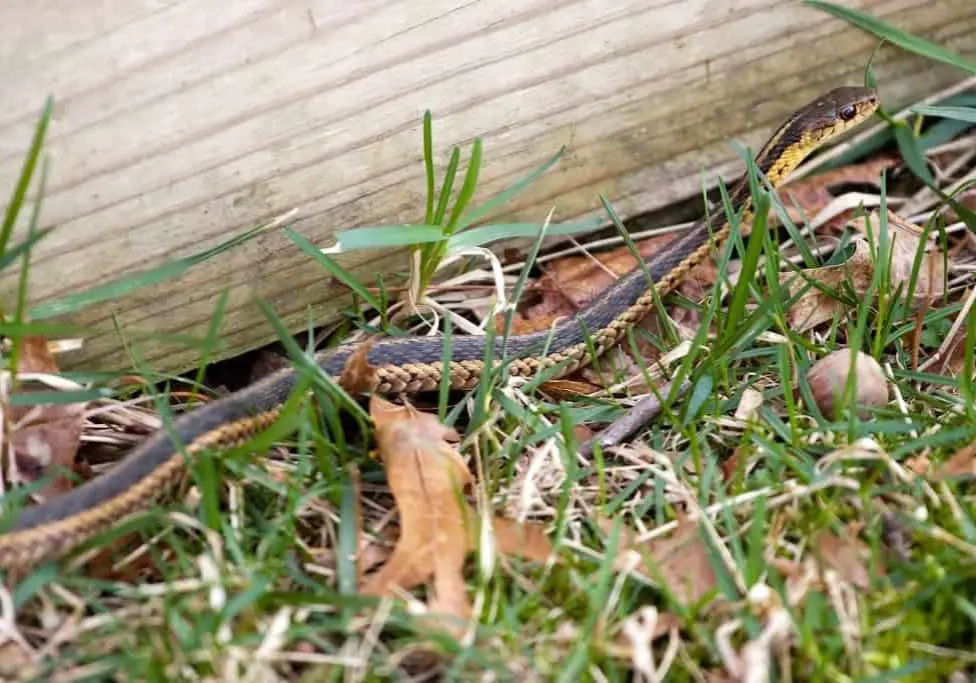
(179, 124)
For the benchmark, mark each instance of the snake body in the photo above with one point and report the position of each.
(411, 365)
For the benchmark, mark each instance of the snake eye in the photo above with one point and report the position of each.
(847, 112)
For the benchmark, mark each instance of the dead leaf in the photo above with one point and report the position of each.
(730, 466)
(846, 554)
(567, 389)
(43, 438)
(437, 526)
(680, 561)
(814, 307)
(961, 464)
(358, 376)
(905, 239)
(523, 540)
(919, 464)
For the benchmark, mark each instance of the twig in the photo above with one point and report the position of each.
(639, 414)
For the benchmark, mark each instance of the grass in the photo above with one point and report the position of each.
(248, 576)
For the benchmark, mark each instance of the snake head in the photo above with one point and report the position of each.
(838, 111)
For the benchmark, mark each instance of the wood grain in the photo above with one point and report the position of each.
(179, 124)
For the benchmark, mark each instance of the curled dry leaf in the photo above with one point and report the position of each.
(358, 376)
(680, 560)
(437, 525)
(43, 438)
(814, 307)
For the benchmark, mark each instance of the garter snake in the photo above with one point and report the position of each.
(410, 365)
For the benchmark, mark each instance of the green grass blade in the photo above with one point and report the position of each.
(750, 264)
(447, 186)
(26, 173)
(467, 187)
(25, 269)
(912, 154)
(967, 114)
(479, 212)
(485, 234)
(429, 167)
(53, 398)
(385, 236)
(894, 35)
(19, 249)
(330, 264)
(125, 285)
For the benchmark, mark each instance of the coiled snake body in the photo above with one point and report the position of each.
(412, 365)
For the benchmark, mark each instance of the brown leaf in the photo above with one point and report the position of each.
(961, 464)
(680, 561)
(358, 376)
(582, 433)
(814, 307)
(438, 526)
(563, 389)
(919, 464)
(524, 540)
(844, 554)
(905, 239)
(426, 476)
(730, 466)
(43, 438)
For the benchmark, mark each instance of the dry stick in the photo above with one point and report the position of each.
(636, 417)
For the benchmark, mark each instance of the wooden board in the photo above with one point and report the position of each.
(179, 124)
